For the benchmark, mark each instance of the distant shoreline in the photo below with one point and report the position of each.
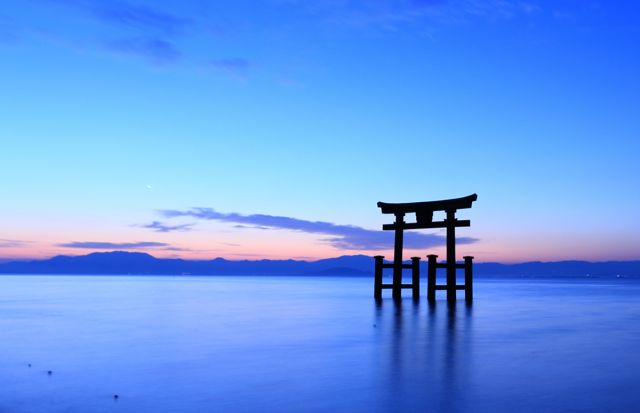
(558, 278)
(136, 263)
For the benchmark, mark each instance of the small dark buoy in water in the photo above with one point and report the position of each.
(115, 396)
(29, 364)
(49, 372)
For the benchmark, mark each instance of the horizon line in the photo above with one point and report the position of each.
(5, 260)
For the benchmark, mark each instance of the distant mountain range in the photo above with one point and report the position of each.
(137, 263)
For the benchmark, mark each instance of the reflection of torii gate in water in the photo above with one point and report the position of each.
(424, 219)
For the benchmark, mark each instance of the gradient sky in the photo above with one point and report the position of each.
(283, 122)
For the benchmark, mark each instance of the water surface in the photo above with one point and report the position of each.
(294, 344)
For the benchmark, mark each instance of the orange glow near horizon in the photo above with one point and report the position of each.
(312, 249)
(209, 240)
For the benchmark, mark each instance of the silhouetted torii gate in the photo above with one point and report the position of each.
(424, 219)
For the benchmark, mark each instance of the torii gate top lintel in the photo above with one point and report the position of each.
(429, 206)
(424, 213)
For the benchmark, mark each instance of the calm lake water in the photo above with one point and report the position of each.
(285, 344)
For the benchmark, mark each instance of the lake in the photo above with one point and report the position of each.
(314, 344)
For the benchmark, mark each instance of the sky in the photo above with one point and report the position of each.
(271, 128)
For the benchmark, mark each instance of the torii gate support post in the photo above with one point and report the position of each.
(377, 283)
(397, 256)
(451, 254)
(468, 279)
(415, 277)
(431, 278)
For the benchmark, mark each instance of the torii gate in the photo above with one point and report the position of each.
(424, 219)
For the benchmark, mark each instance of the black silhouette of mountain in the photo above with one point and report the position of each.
(121, 262)
(137, 263)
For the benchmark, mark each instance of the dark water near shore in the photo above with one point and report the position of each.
(255, 344)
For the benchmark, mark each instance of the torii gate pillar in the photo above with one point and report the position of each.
(397, 256)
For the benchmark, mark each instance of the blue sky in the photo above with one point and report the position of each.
(115, 111)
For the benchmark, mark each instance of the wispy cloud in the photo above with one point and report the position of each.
(98, 245)
(167, 32)
(162, 227)
(156, 32)
(240, 226)
(344, 237)
(13, 243)
(392, 15)
(178, 249)
(156, 51)
(139, 17)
